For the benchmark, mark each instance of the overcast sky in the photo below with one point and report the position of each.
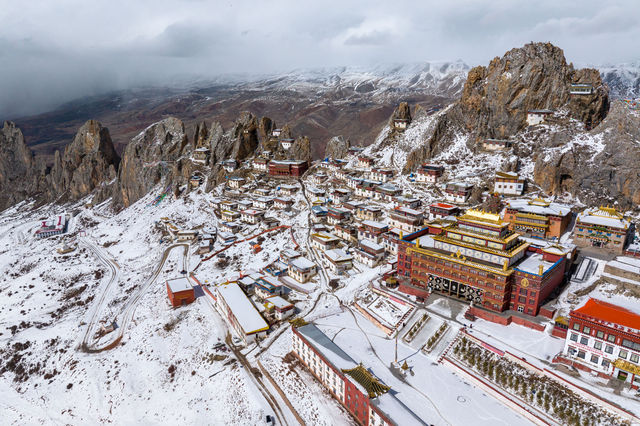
(55, 51)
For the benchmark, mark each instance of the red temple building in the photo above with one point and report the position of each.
(285, 168)
(478, 259)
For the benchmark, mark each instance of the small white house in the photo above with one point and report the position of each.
(537, 116)
(338, 261)
(457, 192)
(508, 183)
(324, 241)
(369, 253)
(252, 216)
(287, 143)
(263, 203)
(236, 182)
(301, 269)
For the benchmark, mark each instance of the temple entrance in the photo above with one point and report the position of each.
(455, 289)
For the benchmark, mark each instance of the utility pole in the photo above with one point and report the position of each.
(397, 347)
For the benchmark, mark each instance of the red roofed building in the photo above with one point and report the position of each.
(439, 210)
(180, 292)
(604, 338)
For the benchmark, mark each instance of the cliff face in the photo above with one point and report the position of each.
(495, 99)
(152, 157)
(337, 147)
(88, 162)
(16, 166)
(599, 166)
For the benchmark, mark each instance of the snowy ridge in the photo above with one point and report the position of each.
(387, 79)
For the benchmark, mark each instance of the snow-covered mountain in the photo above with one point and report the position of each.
(437, 78)
(623, 79)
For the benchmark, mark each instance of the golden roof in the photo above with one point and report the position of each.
(367, 380)
(481, 216)
(539, 202)
(607, 212)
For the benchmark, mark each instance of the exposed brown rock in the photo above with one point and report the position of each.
(88, 162)
(16, 166)
(337, 147)
(607, 176)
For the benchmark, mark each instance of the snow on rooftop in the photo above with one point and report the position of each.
(179, 284)
(603, 216)
(243, 309)
(374, 224)
(371, 245)
(426, 241)
(408, 210)
(531, 265)
(539, 206)
(337, 255)
(331, 352)
(278, 302)
(302, 263)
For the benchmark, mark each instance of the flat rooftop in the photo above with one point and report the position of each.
(179, 284)
(243, 309)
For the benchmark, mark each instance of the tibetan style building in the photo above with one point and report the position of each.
(537, 218)
(602, 227)
(480, 260)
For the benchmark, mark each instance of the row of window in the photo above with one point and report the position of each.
(594, 359)
(599, 333)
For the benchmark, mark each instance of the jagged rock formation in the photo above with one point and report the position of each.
(402, 112)
(88, 162)
(154, 156)
(301, 149)
(495, 99)
(600, 166)
(16, 166)
(337, 147)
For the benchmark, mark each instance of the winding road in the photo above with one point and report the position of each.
(91, 345)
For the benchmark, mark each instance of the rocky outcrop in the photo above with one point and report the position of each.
(402, 112)
(495, 99)
(301, 149)
(88, 162)
(337, 147)
(16, 166)
(600, 166)
(154, 156)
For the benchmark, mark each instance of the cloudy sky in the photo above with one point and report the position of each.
(55, 51)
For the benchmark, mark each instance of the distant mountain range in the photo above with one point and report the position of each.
(353, 102)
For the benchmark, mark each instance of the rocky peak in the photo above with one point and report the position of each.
(88, 161)
(16, 165)
(495, 99)
(337, 147)
(152, 157)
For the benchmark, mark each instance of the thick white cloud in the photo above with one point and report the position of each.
(54, 51)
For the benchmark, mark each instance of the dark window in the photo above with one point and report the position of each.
(608, 349)
(584, 340)
(631, 345)
(574, 337)
(611, 338)
(581, 354)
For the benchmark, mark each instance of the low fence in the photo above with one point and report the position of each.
(496, 393)
(585, 393)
